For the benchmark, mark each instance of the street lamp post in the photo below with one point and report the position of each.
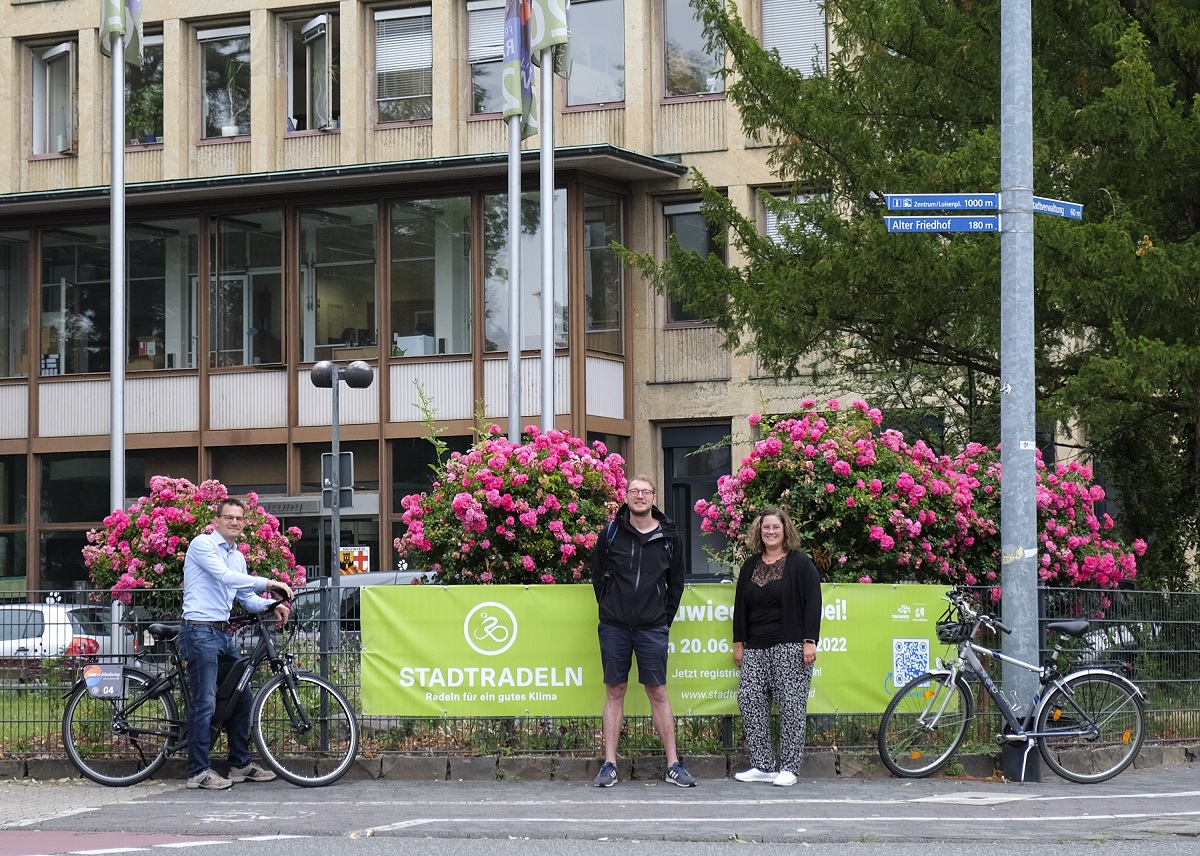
(328, 375)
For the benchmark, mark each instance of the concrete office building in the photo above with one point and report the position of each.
(312, 181)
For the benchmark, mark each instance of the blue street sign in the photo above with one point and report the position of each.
(934, 223)
(1057, 207)
(942, 201)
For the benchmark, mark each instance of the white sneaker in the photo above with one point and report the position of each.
(784, 779)
(755, 775)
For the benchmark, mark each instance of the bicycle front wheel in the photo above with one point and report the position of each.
(118, 742)
(1092, 727)
(305, 729)
(924, 724)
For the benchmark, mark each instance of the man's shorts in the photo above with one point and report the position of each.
(619, 644)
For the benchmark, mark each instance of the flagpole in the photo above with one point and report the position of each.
(514, 279)
(546, 219)
(118, 346)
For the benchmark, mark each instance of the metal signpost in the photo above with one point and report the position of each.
(327, 375)
(1014, 206)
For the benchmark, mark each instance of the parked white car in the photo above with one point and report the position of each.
(32, 632)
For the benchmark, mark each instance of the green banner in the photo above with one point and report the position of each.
(518, 651)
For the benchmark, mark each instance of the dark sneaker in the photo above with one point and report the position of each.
(250, 773)
(209, 780)
(678, 775)
(607, 777)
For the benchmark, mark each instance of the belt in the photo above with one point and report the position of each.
(220, 625)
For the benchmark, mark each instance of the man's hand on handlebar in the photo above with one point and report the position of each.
(283, 608)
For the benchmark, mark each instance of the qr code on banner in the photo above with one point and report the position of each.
(910, 658)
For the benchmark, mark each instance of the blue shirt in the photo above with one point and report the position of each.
(214, 573)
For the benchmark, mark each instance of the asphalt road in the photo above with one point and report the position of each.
(1148, 811)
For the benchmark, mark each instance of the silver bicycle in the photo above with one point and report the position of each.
(1088, 724)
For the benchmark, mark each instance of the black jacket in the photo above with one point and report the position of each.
(638, 585)
(801, 618)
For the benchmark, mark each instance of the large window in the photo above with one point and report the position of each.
(431, 277)
(75, 486)
(246, 293)
(144, 95)
(225, 76)
(13, 483)
(242, 469)
(161, 287)
(796, 28)
(602, 273)
(495, 219)
(55, 82)
(338, 283)
(73, 336)
(14, 304)
(485, 53)
(313, 73)
(597, 52)
(690, 68)
(404, 64)
(689, 227)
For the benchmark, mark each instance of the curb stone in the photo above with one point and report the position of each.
(473, 769)
(413, 767)
(540, 768)
(523, 768)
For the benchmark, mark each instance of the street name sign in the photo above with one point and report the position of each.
(942, 201)
(1057, 207)
(935, 223)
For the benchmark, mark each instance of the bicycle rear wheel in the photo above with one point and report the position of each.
(924, 725)
(1103, 725)
(305, 729)
(118, 742)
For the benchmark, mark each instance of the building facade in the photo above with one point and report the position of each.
(310, 181)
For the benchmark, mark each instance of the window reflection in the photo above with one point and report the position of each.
(597, 52)
(602, 273)
(337, 283)
(431, 277)
(245, 326)
(495, 219)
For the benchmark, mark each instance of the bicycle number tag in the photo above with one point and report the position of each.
(148, 640)
(104, 680)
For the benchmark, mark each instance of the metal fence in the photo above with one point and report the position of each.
(46, 638)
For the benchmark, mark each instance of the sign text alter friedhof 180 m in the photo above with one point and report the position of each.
(928, 223)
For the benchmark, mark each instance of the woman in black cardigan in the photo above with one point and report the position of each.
(776, 624)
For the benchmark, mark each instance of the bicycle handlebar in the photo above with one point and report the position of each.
(960, 600)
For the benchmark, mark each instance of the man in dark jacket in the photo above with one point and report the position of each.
(637, 571)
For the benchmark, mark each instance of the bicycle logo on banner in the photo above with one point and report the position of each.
(490, 628)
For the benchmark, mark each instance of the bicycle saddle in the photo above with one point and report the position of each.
(163, 632)
(1075, 627)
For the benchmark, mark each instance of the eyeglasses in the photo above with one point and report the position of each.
(640, 492)
(229, 518)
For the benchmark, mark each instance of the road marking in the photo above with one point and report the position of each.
(55, 816)
(108, 850)
(193, 843)
(812, 820)
(974, 798)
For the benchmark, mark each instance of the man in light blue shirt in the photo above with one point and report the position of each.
(214, 574)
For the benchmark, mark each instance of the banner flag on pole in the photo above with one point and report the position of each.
(550, 28)
(518, 67)
(123, 17)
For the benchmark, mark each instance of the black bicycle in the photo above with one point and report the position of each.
(120, 729)
(1088, 724)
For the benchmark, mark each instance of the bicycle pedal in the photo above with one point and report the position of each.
(1009, 737)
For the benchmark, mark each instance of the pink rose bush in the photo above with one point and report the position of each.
(870, 507)
(144, 547)
(514, 513)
